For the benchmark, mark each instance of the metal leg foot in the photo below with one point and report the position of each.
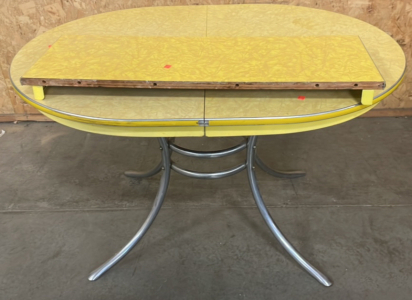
(136, 174)
(277, 173)
(269, 221)
(164, 182)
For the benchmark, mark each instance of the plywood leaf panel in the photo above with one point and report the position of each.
(22, 20)
(270, 62)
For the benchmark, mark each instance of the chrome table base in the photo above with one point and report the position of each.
(168, 147)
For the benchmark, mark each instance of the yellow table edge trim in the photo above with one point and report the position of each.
(135, 131)
(272, 129)
(133, 123)
(251, 121)
(293, 120)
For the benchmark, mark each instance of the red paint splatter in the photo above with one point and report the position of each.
(50, 46)
(301, 98)
(168, 66)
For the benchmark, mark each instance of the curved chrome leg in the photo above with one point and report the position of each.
(164, 182)
(269, 221)
(277, 173)
(136, 174)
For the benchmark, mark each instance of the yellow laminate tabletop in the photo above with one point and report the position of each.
(156, 112)
(316, 62)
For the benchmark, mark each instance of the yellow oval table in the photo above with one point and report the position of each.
(167, 114)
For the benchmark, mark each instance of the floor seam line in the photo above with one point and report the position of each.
(210, 207)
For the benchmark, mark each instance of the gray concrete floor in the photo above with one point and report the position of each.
(65, 207)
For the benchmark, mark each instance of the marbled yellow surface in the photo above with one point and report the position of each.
(99, 106)
(208, 59)
(284, 20)
(270, 129)
(119, 107)
(132, 131)
(262, 104)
